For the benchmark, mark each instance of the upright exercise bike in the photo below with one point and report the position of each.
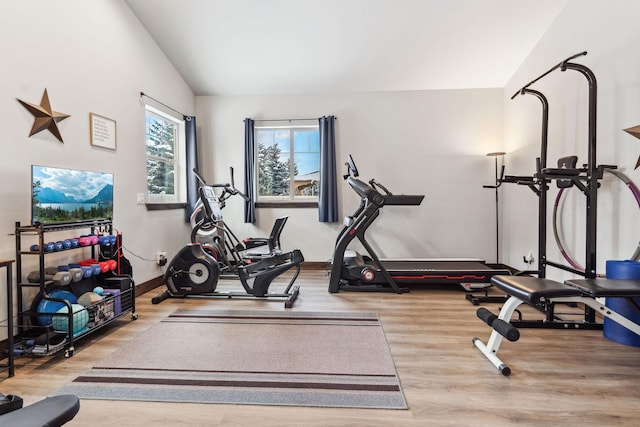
(194, 271)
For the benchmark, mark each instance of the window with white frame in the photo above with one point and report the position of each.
(288, 163)
(165, 149)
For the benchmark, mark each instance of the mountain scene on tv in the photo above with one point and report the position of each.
(69, 195)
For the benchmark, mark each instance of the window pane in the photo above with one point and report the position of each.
(160, 177)
(165, 154)
(273, 171)
(307, 162)
(288, 160)
(306, 154)
(161, 137)
(306, 140)
(280, 137)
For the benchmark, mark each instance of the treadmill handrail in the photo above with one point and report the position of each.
(403, 199)
(370, 193)
(365, 191)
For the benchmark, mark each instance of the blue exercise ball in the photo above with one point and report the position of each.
(80, 319)
(48, 306)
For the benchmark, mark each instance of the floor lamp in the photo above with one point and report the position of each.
(498, 182)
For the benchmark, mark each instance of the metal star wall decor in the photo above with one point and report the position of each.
(635, 131)
(45, 117)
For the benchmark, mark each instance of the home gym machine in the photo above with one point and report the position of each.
(220, 241)
(194, 271)
(541, 292)
(351, 271)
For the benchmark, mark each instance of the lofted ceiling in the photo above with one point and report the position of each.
(267, 47)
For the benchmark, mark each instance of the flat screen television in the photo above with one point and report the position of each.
(60, 195)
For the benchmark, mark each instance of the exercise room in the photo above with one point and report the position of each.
(342, 213)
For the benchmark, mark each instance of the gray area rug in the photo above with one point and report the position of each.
(252, 357)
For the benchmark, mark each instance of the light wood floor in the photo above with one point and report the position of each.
(559, 377)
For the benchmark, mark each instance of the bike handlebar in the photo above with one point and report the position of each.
(200, 178)
(226, 188)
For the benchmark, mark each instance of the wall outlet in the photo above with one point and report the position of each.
(140, 198)
(529, 258)
(161, 258)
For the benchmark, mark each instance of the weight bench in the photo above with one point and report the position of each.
(534, 291)
(52, 411)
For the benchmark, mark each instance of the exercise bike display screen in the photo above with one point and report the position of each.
(210, 202)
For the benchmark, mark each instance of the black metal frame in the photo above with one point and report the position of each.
(24, 315)
(367, 212)
(586, 179)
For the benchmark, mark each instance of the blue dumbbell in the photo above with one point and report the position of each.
(86, 271)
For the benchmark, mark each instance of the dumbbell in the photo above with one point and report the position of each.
(59, 278)
(96, 268)
(48, 247)
(75, 271)
(87, 271)
(84, 241)
(88, 239)
(76, 274)
(104, 266)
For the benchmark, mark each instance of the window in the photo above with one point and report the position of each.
(288, 163)
(165, 157)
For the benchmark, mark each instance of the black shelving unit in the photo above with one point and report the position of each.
(7, 264)
(118, 302)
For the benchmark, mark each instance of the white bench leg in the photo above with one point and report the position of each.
(491, 348)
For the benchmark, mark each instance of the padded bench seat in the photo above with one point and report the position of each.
(52, 411)
(606, 287)
(533, 289)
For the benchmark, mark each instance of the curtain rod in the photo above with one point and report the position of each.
(284, 120)
(163, 104)
(287, 120)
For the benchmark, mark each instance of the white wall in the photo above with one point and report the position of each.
(428, 142)
(96, 57)
(608, 31)
(91, 56)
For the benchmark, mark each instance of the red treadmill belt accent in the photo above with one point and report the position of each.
(440, 276)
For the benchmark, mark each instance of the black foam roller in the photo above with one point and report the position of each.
(486, 316)
(505, 329)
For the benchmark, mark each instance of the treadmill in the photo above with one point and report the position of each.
(351, 271)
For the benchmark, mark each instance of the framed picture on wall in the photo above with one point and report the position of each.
(103, 131)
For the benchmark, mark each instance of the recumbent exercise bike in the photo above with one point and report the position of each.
(194, 271)
(219, 240)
